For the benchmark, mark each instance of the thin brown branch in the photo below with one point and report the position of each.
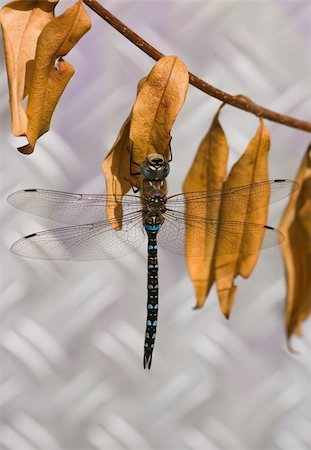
(237, 101)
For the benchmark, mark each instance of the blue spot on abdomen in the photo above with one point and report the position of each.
(152, 227)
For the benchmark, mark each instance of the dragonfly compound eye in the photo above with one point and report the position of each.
(155, 167)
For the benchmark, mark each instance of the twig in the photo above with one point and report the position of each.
(237, 101)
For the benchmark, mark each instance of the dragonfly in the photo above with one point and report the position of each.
(185, 223)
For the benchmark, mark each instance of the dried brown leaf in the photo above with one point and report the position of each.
(252, 167)
(48, 81)
(156, 108)
(296, 250)
(22, 23)
(116, 168)
(207, 172)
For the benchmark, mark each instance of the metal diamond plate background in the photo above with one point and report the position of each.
(72, 333)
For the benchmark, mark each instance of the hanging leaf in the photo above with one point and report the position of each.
(207, 172)
(156, 108)
(296, 250)
(146, 130)
(22, 23)
(116, 168)
(48, 81)
(252, 167)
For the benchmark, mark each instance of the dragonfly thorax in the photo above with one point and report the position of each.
(153, 189)
(154, 208)
(155, 205)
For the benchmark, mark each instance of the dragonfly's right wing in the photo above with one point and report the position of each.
(242, 198)
(185, 234)
(83, 242)
(72, 209)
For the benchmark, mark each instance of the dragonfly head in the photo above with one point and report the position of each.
(155, 167)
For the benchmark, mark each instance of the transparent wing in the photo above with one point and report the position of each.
(252, 197)
(84, 242)
(72, 209)
(194, 236)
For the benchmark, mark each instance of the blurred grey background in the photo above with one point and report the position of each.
(72, 333)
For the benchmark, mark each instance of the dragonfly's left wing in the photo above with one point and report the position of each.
(72, 209)
(84, 242)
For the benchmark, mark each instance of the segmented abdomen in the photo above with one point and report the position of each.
(152, 302)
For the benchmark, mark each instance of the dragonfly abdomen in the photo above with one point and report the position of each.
(153, 290)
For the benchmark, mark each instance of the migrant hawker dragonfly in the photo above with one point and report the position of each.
(166, 220)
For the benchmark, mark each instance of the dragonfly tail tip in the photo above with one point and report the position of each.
(147, 360)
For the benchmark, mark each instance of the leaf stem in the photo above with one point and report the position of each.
(237, 101)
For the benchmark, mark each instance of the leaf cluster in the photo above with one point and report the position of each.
(35, 42)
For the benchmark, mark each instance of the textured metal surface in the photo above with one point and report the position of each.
(72, 333)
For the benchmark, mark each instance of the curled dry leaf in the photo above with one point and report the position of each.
(116, 168)
(252, 167)
(48, 80)
(146, 130)
(296, 250)
(22, 23)
(156, 108)
(208, 172)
